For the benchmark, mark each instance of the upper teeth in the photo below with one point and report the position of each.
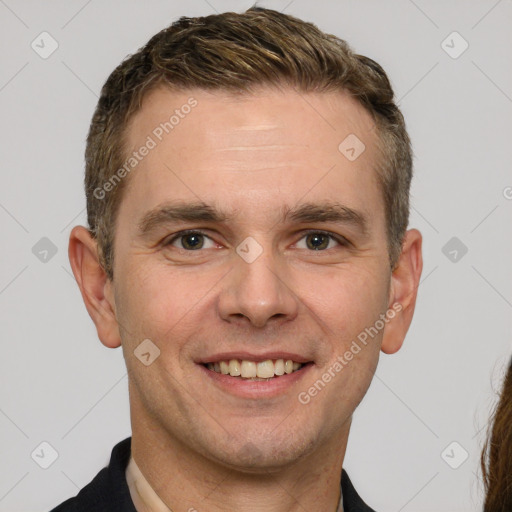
(250, 369)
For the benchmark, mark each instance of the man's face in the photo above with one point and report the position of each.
(270, 164)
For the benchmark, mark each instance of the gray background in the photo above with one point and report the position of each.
(60, 385)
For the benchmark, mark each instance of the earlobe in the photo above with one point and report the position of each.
(403, 291)
(95, 287)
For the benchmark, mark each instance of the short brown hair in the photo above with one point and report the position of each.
(237, 52)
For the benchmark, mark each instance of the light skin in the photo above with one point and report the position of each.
(198, 443)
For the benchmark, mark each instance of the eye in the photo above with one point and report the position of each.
(190, 241)
(193, 240)
(321, 240)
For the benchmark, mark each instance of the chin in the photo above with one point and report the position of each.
(263, 453)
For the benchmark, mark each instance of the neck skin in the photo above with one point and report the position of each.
(143, 496)
(145, 499)
(168, 476)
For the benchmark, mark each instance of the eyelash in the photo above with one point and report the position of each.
(341, 240)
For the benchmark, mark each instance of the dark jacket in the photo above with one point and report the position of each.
(109, 491)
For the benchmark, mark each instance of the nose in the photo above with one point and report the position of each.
(260, 292)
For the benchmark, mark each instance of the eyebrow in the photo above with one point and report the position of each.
(327, 212)
(189, 212)
(201, 212)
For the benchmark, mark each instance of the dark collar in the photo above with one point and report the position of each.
(109, 491)
(351, 500)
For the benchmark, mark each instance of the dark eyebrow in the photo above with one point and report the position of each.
(202, 212)
(327, 212)
(189, 212)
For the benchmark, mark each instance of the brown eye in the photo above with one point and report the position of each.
(320, 241)
(190, 241)
(317, 241)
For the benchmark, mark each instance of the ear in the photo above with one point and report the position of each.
(405, 280)
(94, 284)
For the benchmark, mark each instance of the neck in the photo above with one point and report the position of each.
(167, 475)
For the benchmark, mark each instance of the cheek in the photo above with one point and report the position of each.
(348, 298)
(350, 301)
(159, 301)
(146, 304)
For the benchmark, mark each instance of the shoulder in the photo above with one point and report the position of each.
(352, 502)
(108, 491)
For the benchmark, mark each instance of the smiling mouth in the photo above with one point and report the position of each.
(252, 370)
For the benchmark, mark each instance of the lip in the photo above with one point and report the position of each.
(226, 356)
(245, 388)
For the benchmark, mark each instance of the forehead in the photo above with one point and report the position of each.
(217, 119)
(246, 146)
